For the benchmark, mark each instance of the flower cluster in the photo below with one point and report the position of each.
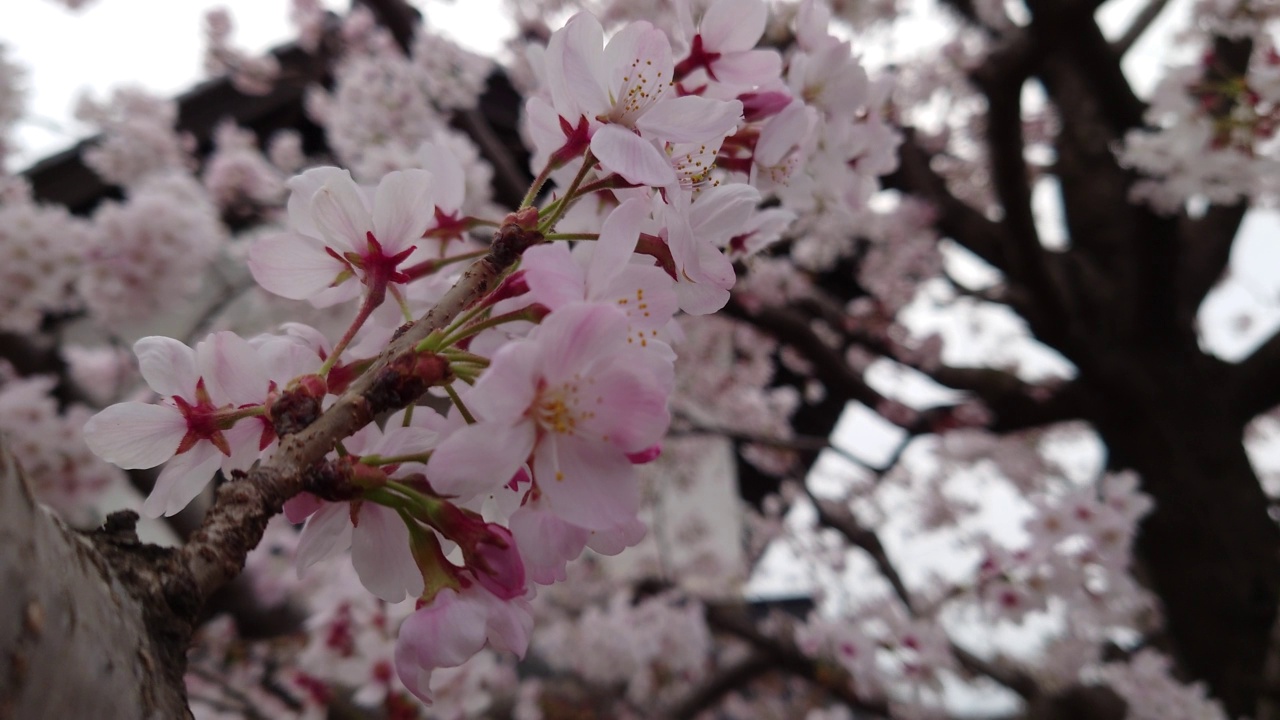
(557, 377)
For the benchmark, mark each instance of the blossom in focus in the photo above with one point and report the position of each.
(340, 233)
(622, 94)
(577, 398)
(206, 393)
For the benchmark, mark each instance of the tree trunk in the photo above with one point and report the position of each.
(86, 631)
(1209, 550)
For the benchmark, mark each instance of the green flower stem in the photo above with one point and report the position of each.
(545, 225)
(457, 401)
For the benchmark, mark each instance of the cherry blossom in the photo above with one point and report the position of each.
(341, 234)
(206, 392)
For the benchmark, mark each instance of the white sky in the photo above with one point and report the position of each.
(159, 45)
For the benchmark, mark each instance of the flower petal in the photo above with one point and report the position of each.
(402, 209)
(617, 243)
(480, 458)
(690, 119)
(341, 214)
(293, 266)
(167, 365)
(554, 278)
(182, 480)
(327, 533)
(733, 25)
(135, 435)
(231, 369)
(588, 484)
(381, 556)
(632, 157)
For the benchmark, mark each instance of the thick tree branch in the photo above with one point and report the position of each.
(86, 626)
(1141, 22)
(1255, 381)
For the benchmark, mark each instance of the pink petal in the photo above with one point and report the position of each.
(381, 556)
(574, 68)
(572, 337)
(553, 276)
(650, 296)
(402, 209)
(293, 266)
(182, 479)
(505, 392)
(589, 484)
(299, 507)
(167, 365)
(690, 119)
(445, 633)
(340, 213)
(231, 369)
(753, 68)
(327, 533)
(614, 540)
(632, 157)
(509, 624)
(546, 542)
(478, 459)
(633, 405)
(304, 187)
(617, 243)
(135, 435)
(733, 25)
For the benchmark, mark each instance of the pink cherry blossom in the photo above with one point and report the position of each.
(723, 45)
(376, 535)
(604, 272)
(577, 397)
(454, 626)
(197, 423)
(623, 91)
(339, 234)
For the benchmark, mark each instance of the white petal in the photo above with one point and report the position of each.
(231, 369)
(690, 119)
(135, 435)
(327, 533)
(632, 157)
(182, 480)
(733, 25)
(340, 213)
(381, 556)
(167, 365)
(402, 209)
(293, 266)
(616, 245)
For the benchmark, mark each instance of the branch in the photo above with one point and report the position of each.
(733, 619)
(235, 523)
(1255, 381)
(726, 681)
(839, 518)
(956, 218)
(1141, 22)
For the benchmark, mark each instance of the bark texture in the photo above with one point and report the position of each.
(85, 628)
